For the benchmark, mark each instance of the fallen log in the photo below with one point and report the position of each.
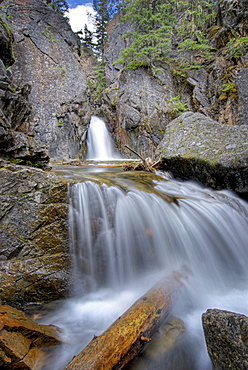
(147, 164)
(126, 337)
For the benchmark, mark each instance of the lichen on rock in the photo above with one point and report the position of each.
(34, 260)
(199, 148)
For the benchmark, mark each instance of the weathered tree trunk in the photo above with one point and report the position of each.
(125, 338)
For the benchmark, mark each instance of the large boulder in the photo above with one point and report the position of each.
(198, 148)
(47, 55)
(226, 335)
(34, 258)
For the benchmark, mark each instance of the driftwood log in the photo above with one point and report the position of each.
(126, 337)
(147, 163)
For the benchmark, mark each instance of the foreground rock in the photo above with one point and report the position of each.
(23, 343)
(226, 336)
(34, 258)
(198, 148)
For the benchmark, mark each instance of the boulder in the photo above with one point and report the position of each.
(226, 335)
(198, 148)
(34, 258)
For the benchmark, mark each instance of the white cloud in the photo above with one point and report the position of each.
(78, 17)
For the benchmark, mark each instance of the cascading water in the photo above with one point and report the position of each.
(100, 146)
(127, 232)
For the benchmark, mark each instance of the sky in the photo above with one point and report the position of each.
(78, 14)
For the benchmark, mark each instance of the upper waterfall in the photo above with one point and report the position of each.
(99, 142)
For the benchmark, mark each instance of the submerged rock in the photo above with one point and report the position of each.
(198, 148)
(226, 335)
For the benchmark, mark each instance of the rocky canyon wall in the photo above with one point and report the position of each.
(46, 58)
(146, 100)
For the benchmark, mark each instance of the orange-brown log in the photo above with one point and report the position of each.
(126, 337)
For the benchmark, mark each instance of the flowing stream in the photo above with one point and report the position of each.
(127, 230)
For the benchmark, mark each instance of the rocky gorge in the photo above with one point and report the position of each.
(45, 109)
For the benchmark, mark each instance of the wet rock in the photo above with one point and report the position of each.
(23, 342)
(198, 148)
(34, 258)
(23, 149)
(226, 335)
(163, 343)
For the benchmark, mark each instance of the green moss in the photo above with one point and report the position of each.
(8, 61)
(49, 35)
(60, 69)
(61, 123)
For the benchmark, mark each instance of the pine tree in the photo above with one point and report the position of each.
(87, 39)
(194, 20)
(152, 21)
(101, 20)
(155, 22)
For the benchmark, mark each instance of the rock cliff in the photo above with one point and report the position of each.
(17, 141)
(145, 101)
(47, 60)
(144, 98)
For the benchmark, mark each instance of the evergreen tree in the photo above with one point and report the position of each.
(101, 20)
(86, 38)
(156, 22)
(153, 26)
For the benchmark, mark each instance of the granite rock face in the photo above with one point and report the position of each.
(145, 100)
(34, 258)
(198, 148)
(47, 59)
(141, 109)
(226, 335)
(140, 100)
(16, 139)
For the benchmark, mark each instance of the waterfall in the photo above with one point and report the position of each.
(99, 142)
(121, 236)
(127, 232)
